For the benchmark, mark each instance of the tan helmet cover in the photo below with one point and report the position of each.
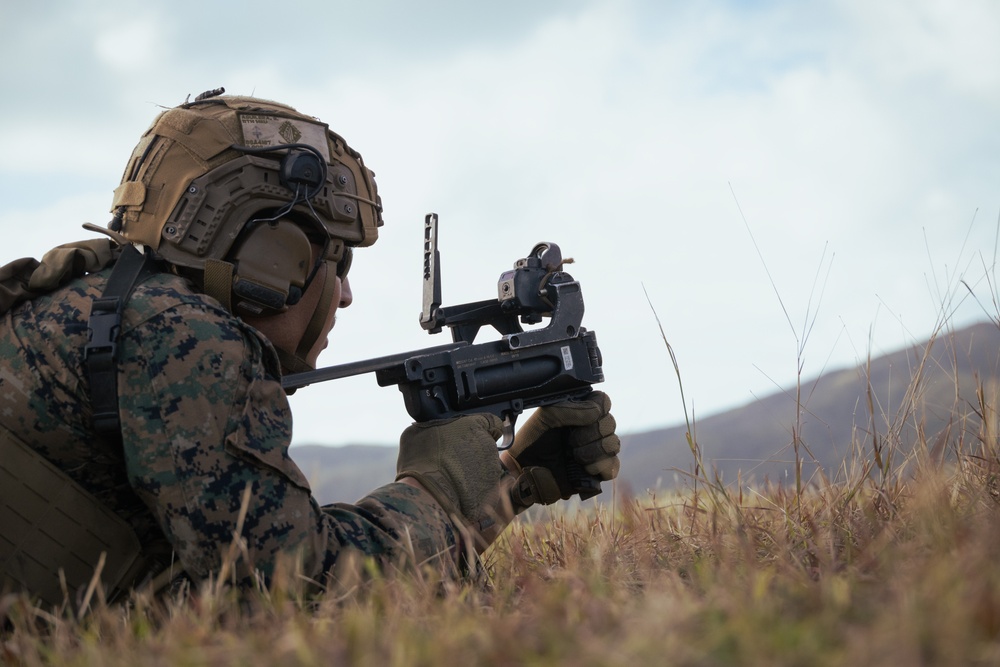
(239, 190)
(189, 189)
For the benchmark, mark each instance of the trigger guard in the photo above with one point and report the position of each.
(508, 434)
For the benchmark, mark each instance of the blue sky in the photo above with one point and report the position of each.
(775, 175)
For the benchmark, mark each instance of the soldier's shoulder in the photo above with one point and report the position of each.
(167, 313)
(166, 292)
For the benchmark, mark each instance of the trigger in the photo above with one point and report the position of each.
(508, 433)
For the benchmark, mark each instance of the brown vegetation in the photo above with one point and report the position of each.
(890, 565)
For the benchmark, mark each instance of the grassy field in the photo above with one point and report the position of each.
(893, 563)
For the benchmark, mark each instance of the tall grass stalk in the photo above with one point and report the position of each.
(799, 447)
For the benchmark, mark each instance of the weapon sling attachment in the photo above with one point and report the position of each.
(50, 524)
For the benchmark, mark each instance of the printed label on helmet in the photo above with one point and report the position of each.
(567, 355)
(263, 131)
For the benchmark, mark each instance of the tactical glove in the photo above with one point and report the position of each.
(565, 449)
(457, 462)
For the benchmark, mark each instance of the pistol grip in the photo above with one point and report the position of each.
(587, 486)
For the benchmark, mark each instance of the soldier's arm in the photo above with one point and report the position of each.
(204, 417)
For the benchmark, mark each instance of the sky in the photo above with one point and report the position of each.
(785, 188)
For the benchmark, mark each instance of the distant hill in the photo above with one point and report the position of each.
(345, 474)
(754, 440)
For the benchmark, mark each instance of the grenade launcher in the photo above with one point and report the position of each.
(522, 370)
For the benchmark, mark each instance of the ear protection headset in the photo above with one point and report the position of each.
(274, 261)
(272, 257)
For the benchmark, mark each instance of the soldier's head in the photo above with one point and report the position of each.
(258, 204)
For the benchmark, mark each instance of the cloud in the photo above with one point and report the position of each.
(930, 43)
(131, 45)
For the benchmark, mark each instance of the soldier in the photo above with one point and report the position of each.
(140, 378)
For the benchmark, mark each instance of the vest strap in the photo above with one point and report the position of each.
(101, 352)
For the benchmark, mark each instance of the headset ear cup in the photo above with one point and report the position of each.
(300, 167)
(271, 264)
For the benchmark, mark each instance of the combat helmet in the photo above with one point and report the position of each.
(235, 192)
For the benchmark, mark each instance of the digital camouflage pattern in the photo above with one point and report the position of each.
(203, 416)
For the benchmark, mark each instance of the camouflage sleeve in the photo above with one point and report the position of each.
(204, 418)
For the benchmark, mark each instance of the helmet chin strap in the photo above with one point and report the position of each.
(296, 362)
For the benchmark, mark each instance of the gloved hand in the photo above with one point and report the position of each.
(457, 462)
(564, 449)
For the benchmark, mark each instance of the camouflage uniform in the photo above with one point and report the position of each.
(203, 416)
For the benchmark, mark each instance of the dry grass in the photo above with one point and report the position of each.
(875, 572)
